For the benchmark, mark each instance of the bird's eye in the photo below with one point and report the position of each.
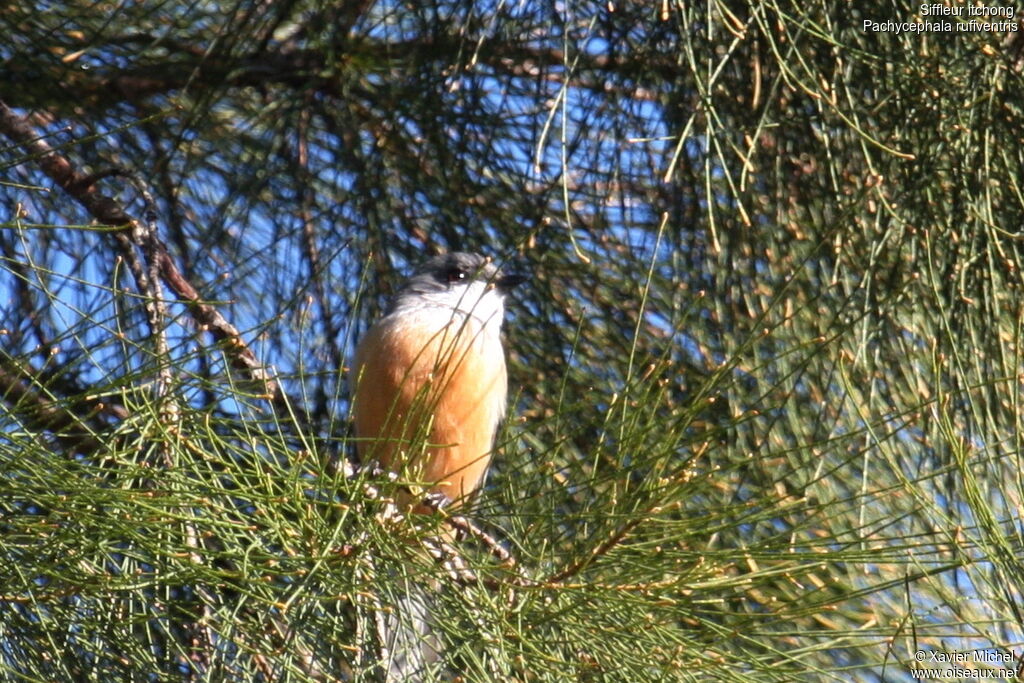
(455, 275)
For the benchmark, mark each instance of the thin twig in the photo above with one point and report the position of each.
(603, 548)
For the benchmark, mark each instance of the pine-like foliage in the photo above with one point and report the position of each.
(766, 373)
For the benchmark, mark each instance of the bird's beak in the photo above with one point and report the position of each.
(505, 283)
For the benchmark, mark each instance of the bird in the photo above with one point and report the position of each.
(429, 381)
(429, 389)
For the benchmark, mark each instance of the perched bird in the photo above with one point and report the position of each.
(429, 389)
(429, 381)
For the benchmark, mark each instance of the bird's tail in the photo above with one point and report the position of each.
(410, 647)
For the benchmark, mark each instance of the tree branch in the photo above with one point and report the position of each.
(106, 210)
(42, 413)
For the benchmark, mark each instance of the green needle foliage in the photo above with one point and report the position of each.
(765, 374)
